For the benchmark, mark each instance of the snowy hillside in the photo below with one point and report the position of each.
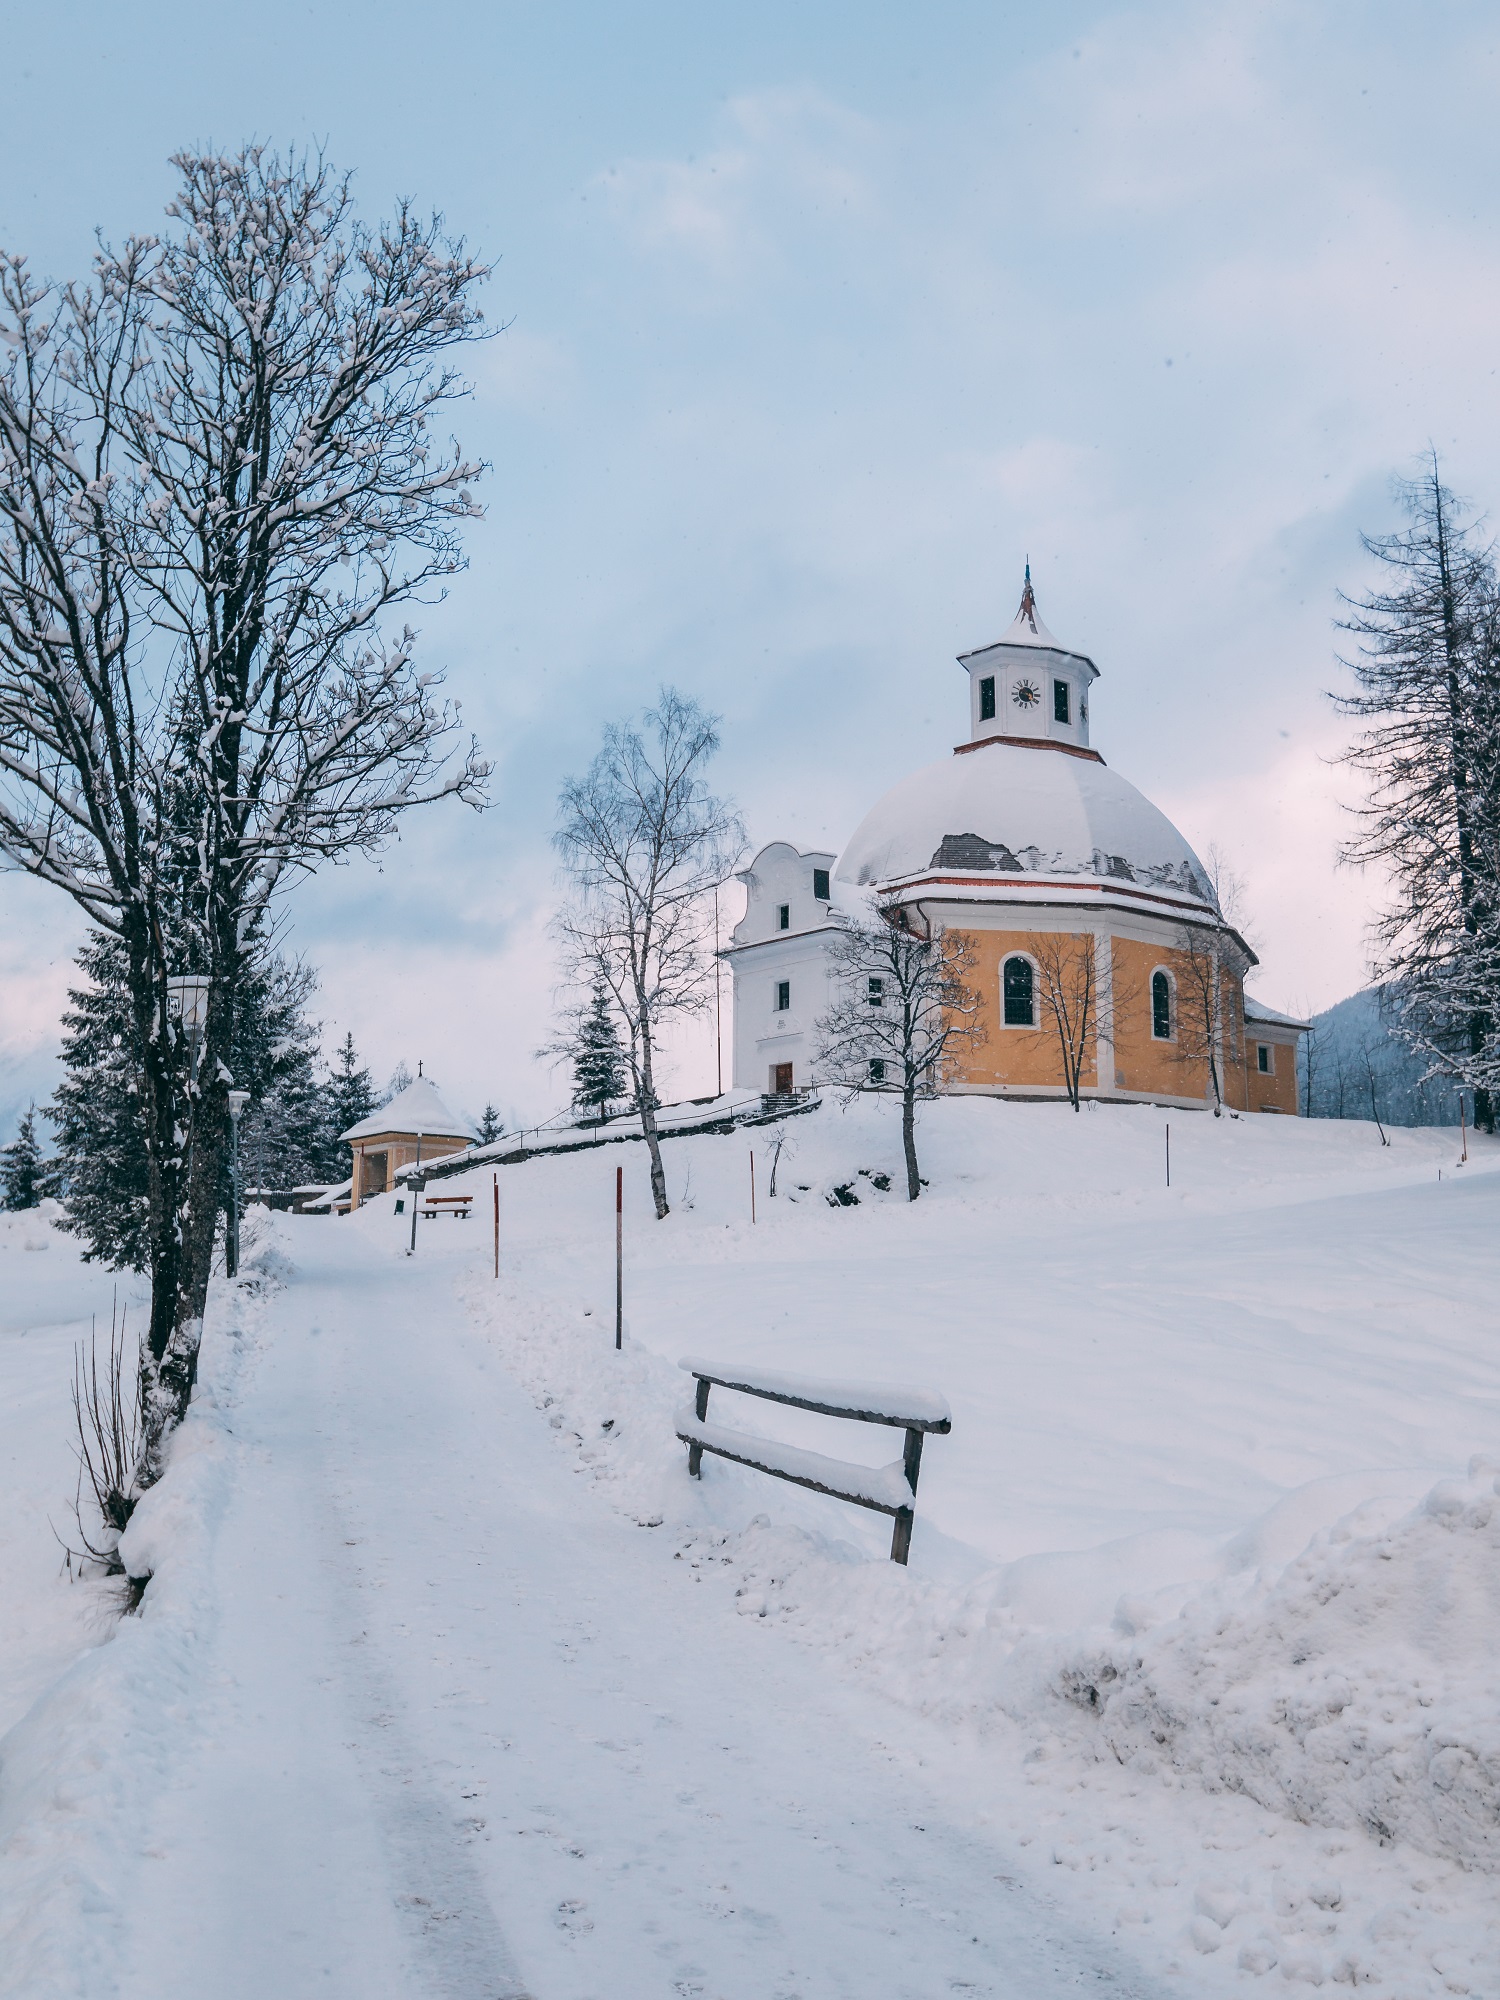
(1188, 1686)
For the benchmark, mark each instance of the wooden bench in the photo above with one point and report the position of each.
(887, 1489)
(448, 1204)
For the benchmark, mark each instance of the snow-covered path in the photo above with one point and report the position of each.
(455, 1732)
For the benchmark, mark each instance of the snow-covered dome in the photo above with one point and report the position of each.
(418, 1110)
(1013, 810)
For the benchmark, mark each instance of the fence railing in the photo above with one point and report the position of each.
(886, 1489)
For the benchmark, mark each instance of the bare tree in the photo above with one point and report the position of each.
(903, 1015)
(1079, 1007)
(645, 844)
(1208, 963)
(215, 477)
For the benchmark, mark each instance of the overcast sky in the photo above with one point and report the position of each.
(818, 320)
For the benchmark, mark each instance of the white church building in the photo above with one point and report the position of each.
(1022, 832)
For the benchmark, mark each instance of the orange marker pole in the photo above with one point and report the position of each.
(619, 1257)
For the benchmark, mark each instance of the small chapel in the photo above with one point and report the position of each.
(1025, 840)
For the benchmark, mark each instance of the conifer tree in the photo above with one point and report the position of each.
(26, 1176)
(350, 1095)
(599, 1079)
(97, 1108)
(491, 1125)
(1428, 692)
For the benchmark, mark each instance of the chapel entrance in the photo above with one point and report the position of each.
(781, 1079)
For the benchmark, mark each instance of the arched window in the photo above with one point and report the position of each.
(1017, 984)
(1161, 1007)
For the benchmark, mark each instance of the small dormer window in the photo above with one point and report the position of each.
(820, 885)
(784, 917)
(1062, 706)
(987, 698)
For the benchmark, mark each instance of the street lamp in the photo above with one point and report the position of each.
(238, 1099)
(187, 1003)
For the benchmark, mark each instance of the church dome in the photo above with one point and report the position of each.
(1033, 814)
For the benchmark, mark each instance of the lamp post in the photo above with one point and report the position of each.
(238, 1099)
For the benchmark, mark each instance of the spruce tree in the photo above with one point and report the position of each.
(26, 1177)
(97, 1108)
(598, 1062)
(491, 1125)
(349, 1095)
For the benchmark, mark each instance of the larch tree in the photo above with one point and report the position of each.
(1427, 680)
(644, 844)
(217, 480)
(902, 1015)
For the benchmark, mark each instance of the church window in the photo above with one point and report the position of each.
(987, 698)
(820, 885)
(783, 995)
(1161, 1007)
(784, 917)
(1264, 1061)
(1018, 986)
(875, 993)
(1061, 706)
(877, 1069)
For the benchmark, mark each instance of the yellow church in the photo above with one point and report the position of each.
(1072, 890)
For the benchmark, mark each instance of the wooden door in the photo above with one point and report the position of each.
(781, 1080)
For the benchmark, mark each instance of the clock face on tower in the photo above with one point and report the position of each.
(1026, 695)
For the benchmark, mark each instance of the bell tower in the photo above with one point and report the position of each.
(1028, 688)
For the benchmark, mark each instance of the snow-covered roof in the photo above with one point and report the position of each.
(1257, 1010)
(417, 1109)
(1019, 810)
(1027, 629)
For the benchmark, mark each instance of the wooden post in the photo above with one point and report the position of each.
(619, 1257)
(1463, 1127)
(911, 1465)
(497, 1224)
(752, 1184)
(1169, 1152)
(695, 1451)
(718, 1019)
(418, 1188)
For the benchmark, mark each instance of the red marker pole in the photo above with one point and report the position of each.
(497, 1225)
(619, 1257)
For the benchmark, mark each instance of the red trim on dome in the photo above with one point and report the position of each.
(1031, 743)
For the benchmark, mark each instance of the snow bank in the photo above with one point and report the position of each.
(1356, 1689)
(77, 1771)
(30, 1228)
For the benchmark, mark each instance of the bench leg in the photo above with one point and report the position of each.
(695, 1451)
(901, 1535)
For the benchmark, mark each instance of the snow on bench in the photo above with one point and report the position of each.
(886, 1489)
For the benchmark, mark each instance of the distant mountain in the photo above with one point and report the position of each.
(1352, 1053)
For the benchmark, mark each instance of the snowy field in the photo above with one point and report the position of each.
(450, 1681)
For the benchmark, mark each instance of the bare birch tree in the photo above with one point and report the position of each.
(216, 476)
(903, 1015)
(645, 844)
